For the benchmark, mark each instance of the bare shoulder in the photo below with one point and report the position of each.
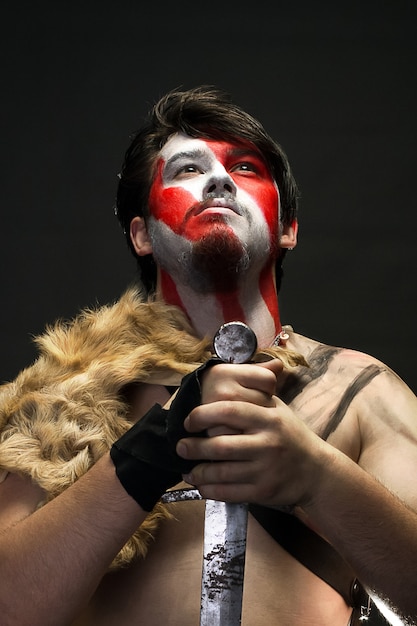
(347, 368)
(358, 399)
(332, 373)
(374, 386)
(19, 497)
(341, 384)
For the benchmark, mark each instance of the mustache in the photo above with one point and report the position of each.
(223, 200)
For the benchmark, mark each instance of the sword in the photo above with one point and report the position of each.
(225, 524)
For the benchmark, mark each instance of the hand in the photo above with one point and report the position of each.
(249, 382)
(145, 458)
(263, 452)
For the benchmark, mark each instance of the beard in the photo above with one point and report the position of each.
(216, 262)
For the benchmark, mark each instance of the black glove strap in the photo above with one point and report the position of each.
(145, 458)
(187, 398)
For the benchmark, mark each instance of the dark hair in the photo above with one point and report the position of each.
(205, 112)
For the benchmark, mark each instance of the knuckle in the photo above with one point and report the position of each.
(227, 409)
(217, 372)
(223, 447)
(270, 381)
(226, 391)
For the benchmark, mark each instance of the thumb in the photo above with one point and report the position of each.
(274, 365)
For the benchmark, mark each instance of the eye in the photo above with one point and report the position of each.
(245, 166)
(187, 171)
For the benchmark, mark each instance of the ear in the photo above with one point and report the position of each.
(288, 238)
(139, 236)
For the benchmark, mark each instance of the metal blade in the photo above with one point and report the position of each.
(225, 530)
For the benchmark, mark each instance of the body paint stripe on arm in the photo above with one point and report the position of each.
(318, 363)
(363, 379)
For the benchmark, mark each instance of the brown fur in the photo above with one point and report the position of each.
(62, 413)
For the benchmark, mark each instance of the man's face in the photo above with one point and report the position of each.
(200, 182)
(214, 199)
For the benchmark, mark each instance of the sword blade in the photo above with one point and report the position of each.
(225, 530)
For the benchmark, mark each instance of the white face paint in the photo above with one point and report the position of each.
(213, 205)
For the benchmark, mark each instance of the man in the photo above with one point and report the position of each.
(328, 435)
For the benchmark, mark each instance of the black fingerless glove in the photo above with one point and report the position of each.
(145, 458)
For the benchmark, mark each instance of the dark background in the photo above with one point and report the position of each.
(334, 82)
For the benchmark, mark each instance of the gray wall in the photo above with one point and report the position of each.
(335, 83)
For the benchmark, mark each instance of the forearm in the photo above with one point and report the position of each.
(374, 531)
(52, 561)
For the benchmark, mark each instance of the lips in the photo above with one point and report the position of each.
(214, 203)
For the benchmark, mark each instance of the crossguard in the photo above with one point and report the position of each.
(181, 495)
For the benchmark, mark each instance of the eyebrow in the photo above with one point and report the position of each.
(190, 154)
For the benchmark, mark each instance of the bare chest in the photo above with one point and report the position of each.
(165, 588)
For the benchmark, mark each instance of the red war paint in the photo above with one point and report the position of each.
(206, 189)
(267, 288)
(169, 291)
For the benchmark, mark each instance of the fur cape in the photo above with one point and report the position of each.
(61, 414)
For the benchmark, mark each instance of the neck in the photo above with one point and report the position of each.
(253, 301)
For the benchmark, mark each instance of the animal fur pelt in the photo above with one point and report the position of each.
(61, 414)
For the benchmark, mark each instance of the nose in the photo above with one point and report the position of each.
(219, 185)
